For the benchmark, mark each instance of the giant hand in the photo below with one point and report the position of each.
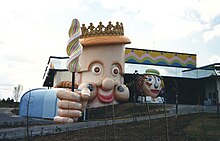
(71, 104)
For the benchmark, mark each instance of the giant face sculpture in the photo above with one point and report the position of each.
(99, 65)
(102, 74)
(151, 83)
(102, 68)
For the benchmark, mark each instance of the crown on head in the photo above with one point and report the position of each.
(101, 30)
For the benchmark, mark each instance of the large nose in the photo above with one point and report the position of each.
(108, 84)
(155, 85)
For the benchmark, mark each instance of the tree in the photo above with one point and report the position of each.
(17, 92)
(3, 100)
(8, 100)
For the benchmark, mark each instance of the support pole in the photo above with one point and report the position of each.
(73, 81)
(176, 105)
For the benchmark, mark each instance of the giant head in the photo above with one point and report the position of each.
(102, 64)
(150, 83)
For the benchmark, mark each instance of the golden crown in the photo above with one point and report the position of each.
(101, 30)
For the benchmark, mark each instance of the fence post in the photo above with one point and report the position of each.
(177, 102)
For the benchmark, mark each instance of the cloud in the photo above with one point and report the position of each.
(1, 42)
(169, 20)
(5, 82)
(19, 69)
(208, 9)
(211, 34)
(214, 59)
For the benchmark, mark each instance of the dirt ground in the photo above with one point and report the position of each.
(194, 127)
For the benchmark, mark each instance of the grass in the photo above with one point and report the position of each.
(123, 111)
(211, 128)
(184, 128)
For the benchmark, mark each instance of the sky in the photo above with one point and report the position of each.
(33, 30)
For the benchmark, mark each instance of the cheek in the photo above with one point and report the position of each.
(160, 88)
(147, 85)
(93, 94)
(121, 93)
(119, 79)
(160, 85)
(146, 90)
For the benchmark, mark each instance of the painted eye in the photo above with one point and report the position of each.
(120, 89)
(115, 71)
(149, 79)
(90, 87)
(96, 70)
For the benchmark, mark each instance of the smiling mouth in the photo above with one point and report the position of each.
(105, 97)
(155, 91)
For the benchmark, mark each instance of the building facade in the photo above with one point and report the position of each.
(183, 80)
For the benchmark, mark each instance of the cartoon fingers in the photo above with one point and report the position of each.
(71, 104)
